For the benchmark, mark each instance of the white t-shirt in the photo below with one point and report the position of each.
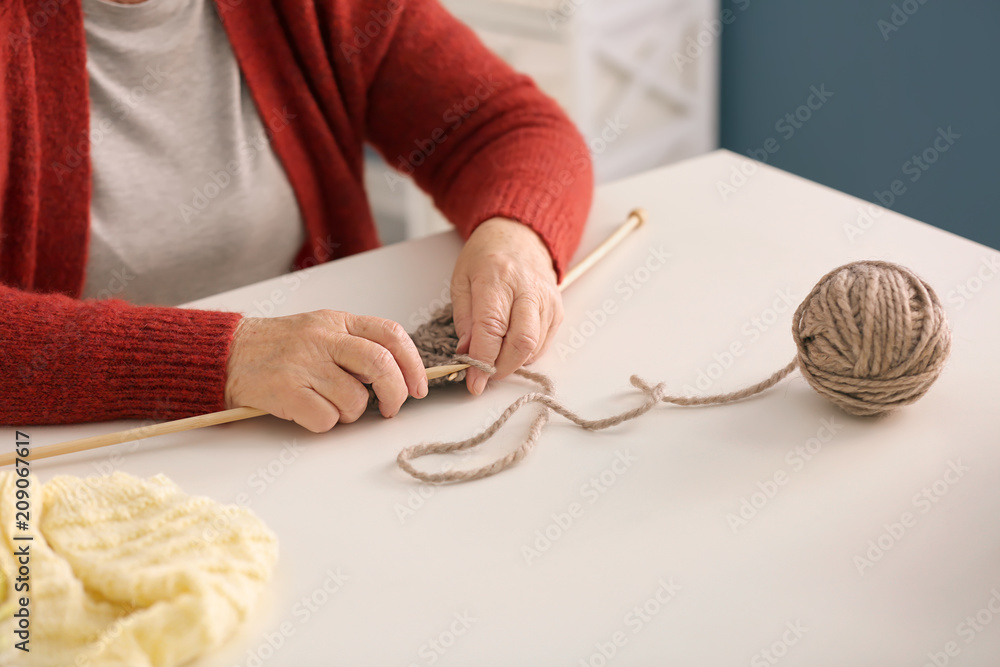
(188, 197)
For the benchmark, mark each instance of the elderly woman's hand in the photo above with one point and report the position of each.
(506, 300)
(309, 368)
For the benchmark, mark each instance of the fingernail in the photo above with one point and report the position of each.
(423, 387)
(479, 384)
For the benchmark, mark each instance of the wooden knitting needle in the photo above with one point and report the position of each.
(176, 426)
(635, 220)
(139, 433)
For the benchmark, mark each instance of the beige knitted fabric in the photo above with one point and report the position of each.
(130, 572)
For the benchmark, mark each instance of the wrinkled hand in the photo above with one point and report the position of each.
(309, 368)
(506, 300)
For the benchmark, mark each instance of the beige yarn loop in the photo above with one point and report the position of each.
(871, 337)
(654, 394)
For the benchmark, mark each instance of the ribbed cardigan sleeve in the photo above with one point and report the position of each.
(66, 361)
(480, 138)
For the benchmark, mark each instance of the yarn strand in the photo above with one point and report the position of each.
(654, 394)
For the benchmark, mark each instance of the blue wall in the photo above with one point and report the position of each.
(892, 89)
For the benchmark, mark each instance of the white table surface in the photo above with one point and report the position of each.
(667, 519)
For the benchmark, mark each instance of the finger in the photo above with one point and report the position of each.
(347, 394)
(391, 336)
(461, 308)
(372, 364)
(523, 335)
(308, 409)
(491, 304)
(555, 313)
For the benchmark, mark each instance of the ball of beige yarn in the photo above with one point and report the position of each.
(871, 336)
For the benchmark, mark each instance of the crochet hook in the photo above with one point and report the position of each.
(636, 219)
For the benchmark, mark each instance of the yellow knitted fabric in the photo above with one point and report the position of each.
(130, 572)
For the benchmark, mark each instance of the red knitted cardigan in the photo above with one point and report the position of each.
(402, 75)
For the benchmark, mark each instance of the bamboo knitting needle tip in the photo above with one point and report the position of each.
(440, 371)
